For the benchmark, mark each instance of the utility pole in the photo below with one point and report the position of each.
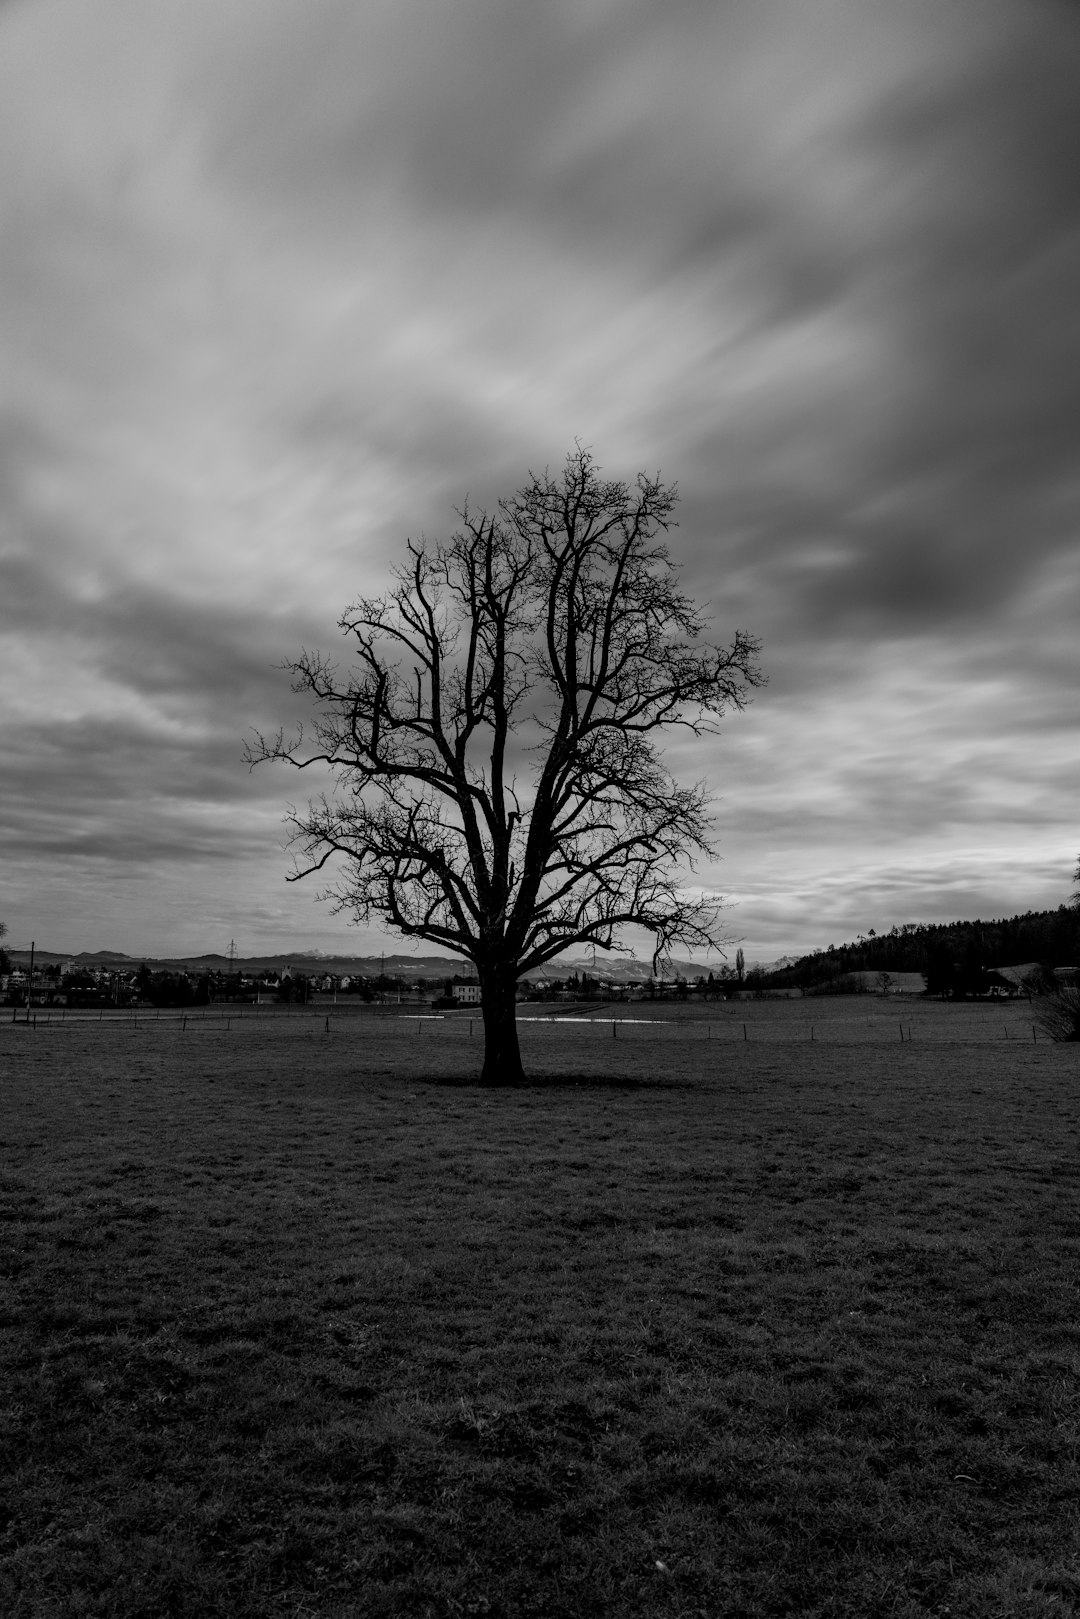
(30, 982)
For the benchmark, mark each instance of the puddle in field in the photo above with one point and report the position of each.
(598, 1019)
(437, 1017)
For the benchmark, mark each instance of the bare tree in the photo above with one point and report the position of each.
(501, 794)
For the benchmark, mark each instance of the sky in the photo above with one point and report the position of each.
(283, 281)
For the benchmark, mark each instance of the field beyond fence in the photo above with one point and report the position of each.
(770, 1309)
(853, 1019)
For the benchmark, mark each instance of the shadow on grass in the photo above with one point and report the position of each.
(554, 1082)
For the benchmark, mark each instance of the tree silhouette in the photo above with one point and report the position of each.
(500, 792)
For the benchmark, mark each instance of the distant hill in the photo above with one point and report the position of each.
(615, 969)
(213, 961)
(942, 952)
(936, 950)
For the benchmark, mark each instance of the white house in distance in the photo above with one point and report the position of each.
(467, 994)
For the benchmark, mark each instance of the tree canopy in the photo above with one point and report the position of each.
(499, 788)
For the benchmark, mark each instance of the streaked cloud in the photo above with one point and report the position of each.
(281, 283)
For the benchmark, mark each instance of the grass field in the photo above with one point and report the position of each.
(296, 1319)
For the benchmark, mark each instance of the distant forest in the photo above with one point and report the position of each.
(953, 955)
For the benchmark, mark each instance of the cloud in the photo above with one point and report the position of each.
(280, 284)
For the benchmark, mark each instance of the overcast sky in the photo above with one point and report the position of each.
(281, 281)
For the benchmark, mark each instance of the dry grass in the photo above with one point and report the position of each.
(308, 1323)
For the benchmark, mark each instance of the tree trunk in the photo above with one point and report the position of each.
(498, 1002)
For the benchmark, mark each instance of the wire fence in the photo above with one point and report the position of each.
(788, 1022)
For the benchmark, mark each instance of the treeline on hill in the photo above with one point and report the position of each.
(952, 955)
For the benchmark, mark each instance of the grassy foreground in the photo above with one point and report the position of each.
(306, 1323)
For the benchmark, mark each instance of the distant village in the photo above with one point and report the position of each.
(950, 961)
(75, 984)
